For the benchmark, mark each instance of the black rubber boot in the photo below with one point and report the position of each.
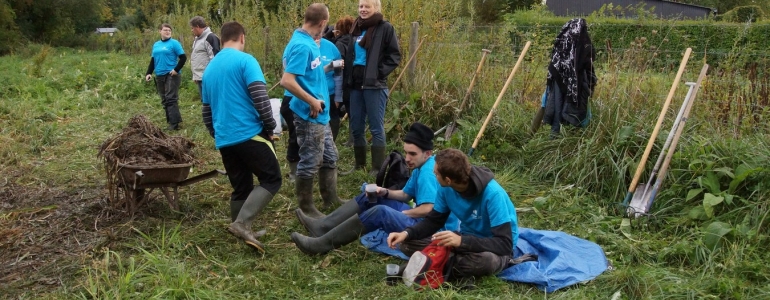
(327, 184)
(360, 155)
(378, 156)
(339, 236)
(254, 204)
(319, 227)
(303, 189)
(293, 171)
(235, 208)
(335, 125)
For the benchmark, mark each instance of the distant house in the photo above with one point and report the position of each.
(109, 31)
(664, 9)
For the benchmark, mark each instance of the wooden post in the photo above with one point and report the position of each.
(412, 50)
(267, 43)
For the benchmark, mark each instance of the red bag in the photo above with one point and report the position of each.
(426, 268)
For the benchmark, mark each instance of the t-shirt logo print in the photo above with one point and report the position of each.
(475, 215)
(315, 63)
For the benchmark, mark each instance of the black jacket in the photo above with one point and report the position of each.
(381, 58)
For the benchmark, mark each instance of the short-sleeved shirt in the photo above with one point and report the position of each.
(166, 54)
(478, 215)
(302, 57)
(329, 53)
(360, 51)
(225, 88)
(424, 186)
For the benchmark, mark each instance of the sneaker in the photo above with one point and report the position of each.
(414, 268)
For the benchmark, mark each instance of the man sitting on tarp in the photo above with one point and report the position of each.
(488, 222)
(390, 213)
(571, 77)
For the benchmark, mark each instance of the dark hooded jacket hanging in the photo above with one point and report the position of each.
(571, 77)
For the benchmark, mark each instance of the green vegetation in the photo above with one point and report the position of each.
(60, 238)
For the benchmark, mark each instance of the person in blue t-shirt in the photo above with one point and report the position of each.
(237, 112)
(390, 213)
(304, 79)
(329, 53)
(167, 61)
(488, 224)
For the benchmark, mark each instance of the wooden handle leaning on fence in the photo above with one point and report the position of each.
(398, 79)
(651, 142)
(450, 128)
(499, 97)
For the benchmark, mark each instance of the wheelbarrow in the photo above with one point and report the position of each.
(137, 182)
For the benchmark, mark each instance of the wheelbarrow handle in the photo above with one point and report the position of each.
(201, 177)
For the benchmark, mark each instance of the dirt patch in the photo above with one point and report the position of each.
(46, 234)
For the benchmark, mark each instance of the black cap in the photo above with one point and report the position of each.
(420, 135)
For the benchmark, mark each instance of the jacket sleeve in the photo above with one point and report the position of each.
(429, 225)
(180, 64)
(501, 242)
(258, 94)
(213, 42)
(151, 67)
(207, 119)
(391, 55)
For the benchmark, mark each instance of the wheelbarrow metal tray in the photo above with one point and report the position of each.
(135, 175)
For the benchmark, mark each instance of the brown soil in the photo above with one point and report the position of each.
(46, 234)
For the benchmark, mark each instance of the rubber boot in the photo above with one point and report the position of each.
(235, 208)
(378, 156)
(335, 125)
(339, 236)
(319, 227)
(327, 184)
(254, 204)
(293, 171)
(303, 189)
(360, 155)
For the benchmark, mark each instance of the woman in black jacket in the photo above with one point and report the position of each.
(372, 54)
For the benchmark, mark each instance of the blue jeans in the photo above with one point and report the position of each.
(316, 147)
(368, 104)
(386, 214)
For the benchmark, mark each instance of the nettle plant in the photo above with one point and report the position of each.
(721, 189)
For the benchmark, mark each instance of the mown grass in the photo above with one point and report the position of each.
(57, 109)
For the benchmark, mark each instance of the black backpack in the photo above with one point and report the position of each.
(393, 173)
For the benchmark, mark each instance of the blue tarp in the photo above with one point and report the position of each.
(563, 260)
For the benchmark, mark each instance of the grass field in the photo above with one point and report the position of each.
(60, 237)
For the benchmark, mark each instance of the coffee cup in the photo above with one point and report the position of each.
(391, 270)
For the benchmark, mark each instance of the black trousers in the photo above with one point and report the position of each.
(168, 90)
(249, 158)
(464, 264)
(292, 150)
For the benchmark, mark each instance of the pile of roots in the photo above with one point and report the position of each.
(141, 143)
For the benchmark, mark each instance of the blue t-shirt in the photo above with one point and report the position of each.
(423, 186)
(360, 51)
(478, 215)
(225, 89)
(329, 52)
(165, 54)
(303, 59)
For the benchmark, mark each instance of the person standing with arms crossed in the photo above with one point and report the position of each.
(167, 61)
(237, 112)
(304, 79)
(373, 54)
(204, 47)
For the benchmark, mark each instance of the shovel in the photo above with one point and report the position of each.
(675, 141)
(450, 128)
(640, 167)
(638, 205)
(538, 120)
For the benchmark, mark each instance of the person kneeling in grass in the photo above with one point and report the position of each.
(488, 223)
